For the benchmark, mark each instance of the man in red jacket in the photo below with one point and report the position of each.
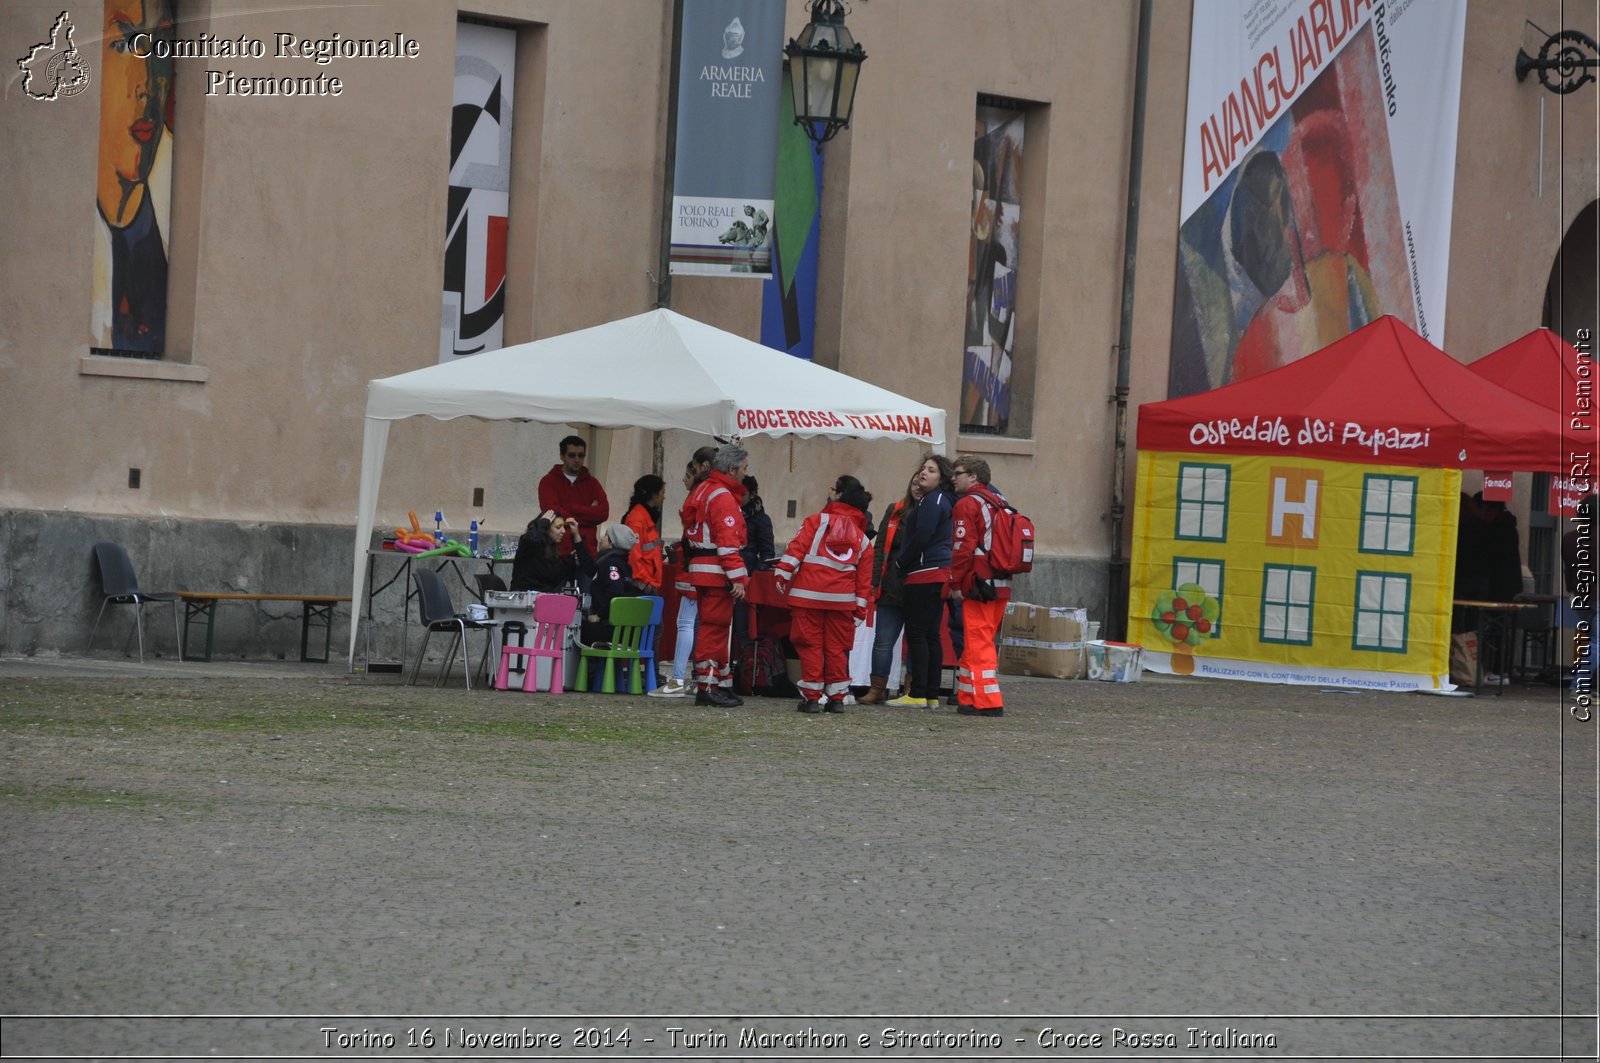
(571, 491)
(713, 535)
(983, 595)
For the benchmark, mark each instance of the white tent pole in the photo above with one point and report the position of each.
(374, 441)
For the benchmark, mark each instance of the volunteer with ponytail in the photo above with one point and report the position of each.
(826, 575)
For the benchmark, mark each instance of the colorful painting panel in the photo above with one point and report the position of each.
(992, 270)
(1318, 161)
(134, 188)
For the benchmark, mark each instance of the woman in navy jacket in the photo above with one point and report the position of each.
(923, 559)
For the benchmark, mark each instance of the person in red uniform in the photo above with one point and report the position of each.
(826, 575)
(572, 491)
(713, 534)
(983, 595)
(644, 517)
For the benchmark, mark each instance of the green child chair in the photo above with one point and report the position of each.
(629, 618)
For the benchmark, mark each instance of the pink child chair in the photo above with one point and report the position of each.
(552, 614)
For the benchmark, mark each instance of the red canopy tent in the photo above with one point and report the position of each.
(1544, 368)
(1381, 394)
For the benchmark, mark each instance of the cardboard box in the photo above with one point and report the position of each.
(1043, 640)
(1115, 662)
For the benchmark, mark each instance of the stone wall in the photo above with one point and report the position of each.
(52, 590)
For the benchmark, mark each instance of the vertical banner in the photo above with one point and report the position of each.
(789, 297)
(727, 149)
(128, 309)
(992, 269)
(1318, 178)
(478, 212)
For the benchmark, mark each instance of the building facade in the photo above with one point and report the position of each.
(308, 232)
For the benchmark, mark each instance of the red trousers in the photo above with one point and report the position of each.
(823, 638)
(978, 677)
(713, 627)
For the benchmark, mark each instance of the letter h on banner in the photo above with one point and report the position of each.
(1294, 493)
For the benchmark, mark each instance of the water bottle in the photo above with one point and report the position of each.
(438, 525)
(472, 539)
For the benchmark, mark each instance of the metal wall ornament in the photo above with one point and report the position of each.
(1562, 63)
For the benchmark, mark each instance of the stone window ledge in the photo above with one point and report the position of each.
(142, 369)
(986, 444)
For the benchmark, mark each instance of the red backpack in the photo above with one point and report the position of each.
(1010, 551)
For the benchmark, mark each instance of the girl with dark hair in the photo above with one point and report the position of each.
(759, 546)
(539, 565)
(644, 518)
(825, 574)
(923, 561)
(888, 588)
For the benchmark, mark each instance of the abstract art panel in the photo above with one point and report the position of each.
(478, 211)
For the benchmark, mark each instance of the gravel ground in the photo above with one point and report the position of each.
(1354, 874)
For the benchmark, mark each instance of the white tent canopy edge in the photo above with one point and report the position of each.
(657, 370)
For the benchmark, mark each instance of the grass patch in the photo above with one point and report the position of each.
(97, 708)
(35, 798)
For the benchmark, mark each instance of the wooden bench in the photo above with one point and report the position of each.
(313, 608)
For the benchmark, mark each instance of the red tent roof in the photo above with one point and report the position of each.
(1546, 369)
(1381, 395)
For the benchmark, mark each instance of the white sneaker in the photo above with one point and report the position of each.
(672, 688)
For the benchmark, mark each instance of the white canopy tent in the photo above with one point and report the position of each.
(656, 370)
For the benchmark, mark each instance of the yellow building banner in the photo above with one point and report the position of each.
(1287, 570)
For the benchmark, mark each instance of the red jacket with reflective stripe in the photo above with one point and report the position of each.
(713, 531)
(645, 557)
(828, 564)
(971, 532)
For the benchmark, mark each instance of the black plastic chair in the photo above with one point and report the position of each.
(509, 629)
(439, 614)
(121, 587)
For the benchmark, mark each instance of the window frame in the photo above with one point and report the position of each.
(1310, 605)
